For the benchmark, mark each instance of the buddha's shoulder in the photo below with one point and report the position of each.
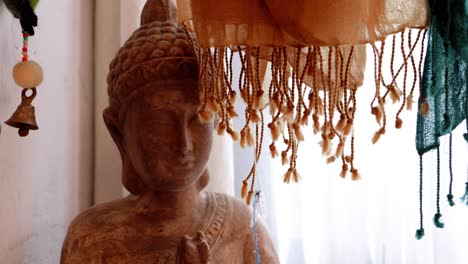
(103, 216)
(234, 210)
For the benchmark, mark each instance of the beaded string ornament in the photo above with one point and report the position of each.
(27, 74)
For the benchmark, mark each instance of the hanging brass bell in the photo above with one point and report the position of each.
(24, 117)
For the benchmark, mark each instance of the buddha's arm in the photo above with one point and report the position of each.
(265, 246)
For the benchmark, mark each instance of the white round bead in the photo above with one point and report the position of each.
(28, 74)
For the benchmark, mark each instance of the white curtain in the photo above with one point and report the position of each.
(327, 219)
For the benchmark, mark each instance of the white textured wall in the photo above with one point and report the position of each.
(45, 179)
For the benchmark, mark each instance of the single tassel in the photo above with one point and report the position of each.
(296, 176)
(347, 159)
(204, 116)
(273, 107)
(244, 189)
(348, 127)
(287, 176)
(305, 117)
(316, 123)
(284, 157)
(377, 135)
(289, 113)
(234, 135)
(424, 108)
(398, 123)
(232, 97)
(340, 149)
(344, 170)
(331, 159)
(341, 123)
(319, 106)
(275, 132)
(464, 198)
(250, 139)
(437, 221)
(221, 128)
(244, 95)
(242, 138)
(231, 112)
(273, 150)
(211, 105)
(450, 195)
(419, 233)
(325, 144)
(298, 132)
(355, 175)
(450, 199)
(254, 116)
(249, 197)
(258, 102)
(395, 93)
(377, 112)
(409, 102)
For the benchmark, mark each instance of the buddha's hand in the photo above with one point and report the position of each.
(195, 250)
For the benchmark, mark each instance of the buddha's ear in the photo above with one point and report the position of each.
(111, 124)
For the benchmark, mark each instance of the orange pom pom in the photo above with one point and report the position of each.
(344, 170)
(355, 175)
(273, 151)
(348, 127)
(398, 123)
(377, 135)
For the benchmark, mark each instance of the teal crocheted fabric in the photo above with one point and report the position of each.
(444, 83)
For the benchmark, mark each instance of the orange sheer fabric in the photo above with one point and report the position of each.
(219, 23)
(316, 52)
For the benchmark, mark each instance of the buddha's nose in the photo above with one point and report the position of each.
(185, 141)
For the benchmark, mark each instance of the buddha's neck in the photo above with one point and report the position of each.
(172, 204)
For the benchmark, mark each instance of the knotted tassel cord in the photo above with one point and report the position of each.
(420, 231)
(450, 195)
(254, 220)
(322, 73)
(438, 215)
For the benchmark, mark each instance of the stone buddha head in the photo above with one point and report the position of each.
(153, 106)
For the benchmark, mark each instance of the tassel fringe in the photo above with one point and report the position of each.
(314, 82)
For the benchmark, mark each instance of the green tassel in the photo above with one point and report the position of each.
(464, 198)
(437, 221)
(419, 233)
(450, 199)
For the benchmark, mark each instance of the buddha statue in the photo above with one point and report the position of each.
(153, 119)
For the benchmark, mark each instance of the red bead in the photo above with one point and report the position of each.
(25, 49)
(24, 59)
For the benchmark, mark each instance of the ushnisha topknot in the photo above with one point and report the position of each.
(157, 51)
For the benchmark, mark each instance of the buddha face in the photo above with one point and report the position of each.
(163, 138)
